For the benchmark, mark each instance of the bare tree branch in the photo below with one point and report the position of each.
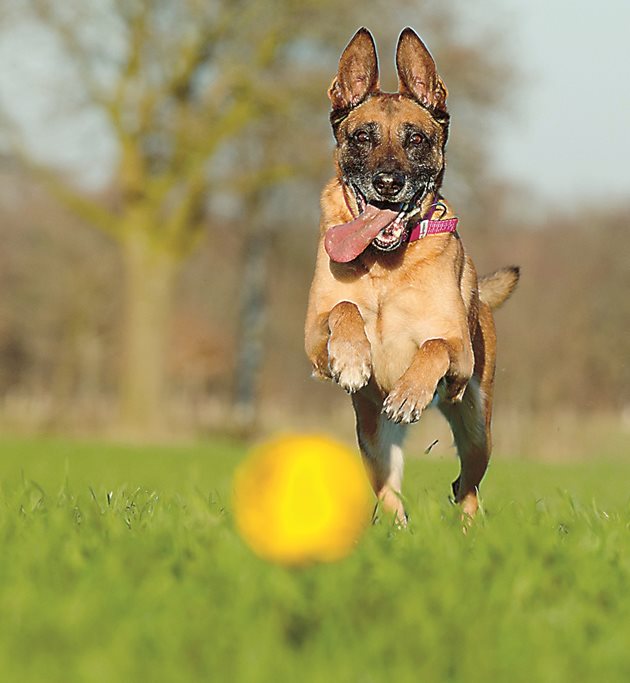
(86, 208)
(65, 31)
(91, 211)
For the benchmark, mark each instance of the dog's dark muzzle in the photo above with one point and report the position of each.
(388, 184)
(393, 186)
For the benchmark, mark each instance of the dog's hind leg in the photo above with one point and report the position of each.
(472, 438)
(471, 417)
(380, 441)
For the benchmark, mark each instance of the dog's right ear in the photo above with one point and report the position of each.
(357, 76)
(417, 74)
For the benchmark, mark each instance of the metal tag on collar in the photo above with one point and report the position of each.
(424, 228)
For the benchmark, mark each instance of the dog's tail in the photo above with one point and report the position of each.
(495, 288)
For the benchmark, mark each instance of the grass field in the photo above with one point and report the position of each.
(122, 564)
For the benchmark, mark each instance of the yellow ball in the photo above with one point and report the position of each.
(300, 499)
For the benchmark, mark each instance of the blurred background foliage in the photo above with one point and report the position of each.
(167, 296)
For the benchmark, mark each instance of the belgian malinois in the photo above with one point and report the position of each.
(396, 313)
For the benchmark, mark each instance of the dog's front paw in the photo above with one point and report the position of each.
(405, 403)
(349, 363)
(320, 369)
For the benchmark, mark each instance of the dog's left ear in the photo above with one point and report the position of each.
(417, 74)
(357, 76)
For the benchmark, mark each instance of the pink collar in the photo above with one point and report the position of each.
(429, 226)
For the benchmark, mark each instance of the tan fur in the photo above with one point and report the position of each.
(495, 288)
(392, 328)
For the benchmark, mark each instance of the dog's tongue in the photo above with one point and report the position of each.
(345, 242)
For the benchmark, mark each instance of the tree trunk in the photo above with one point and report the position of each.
(252, 324)
(150, 277)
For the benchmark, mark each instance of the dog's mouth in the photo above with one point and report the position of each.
(384, 225)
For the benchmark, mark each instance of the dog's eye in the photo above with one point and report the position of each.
(416, 139)
(362, 137)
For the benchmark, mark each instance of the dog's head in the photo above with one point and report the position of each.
(390, 146)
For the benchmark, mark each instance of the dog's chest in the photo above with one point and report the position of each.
(401, 312)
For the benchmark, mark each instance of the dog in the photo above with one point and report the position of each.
(396, 313)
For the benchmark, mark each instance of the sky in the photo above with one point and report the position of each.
(565, 136)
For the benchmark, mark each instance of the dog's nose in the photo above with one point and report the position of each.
(388, 183)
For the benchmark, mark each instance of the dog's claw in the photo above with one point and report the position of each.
(349, 364)
(405, 405)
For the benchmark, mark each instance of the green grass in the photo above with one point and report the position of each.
(122, 564)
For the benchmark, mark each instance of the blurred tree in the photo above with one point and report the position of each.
(175, 81)
(209, 103)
